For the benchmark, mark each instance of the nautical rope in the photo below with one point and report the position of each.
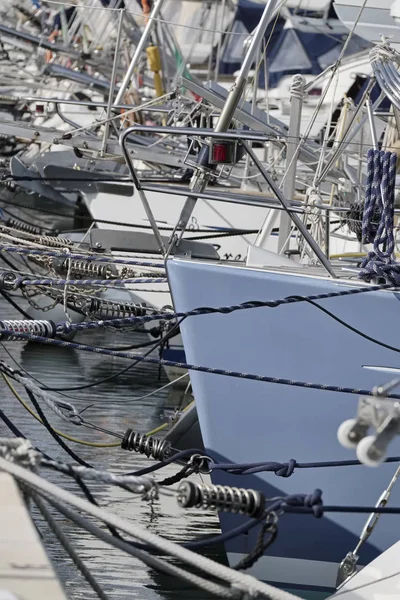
(192, 367)
(137, 484)
(79, 256)
(149, 559)
(68, 327)
(284, 469)
(20, 281)
(19, 450)
(49, 399)
(379, 195)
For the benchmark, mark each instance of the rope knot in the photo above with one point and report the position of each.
(286, 469)
(313, 501)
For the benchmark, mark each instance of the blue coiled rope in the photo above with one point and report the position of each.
(380, 197)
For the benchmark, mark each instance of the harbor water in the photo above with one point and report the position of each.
(114, 405)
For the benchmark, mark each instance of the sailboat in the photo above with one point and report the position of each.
(339, 341)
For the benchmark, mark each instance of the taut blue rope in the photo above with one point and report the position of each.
(379, 196)
(66, 327)
(190, 367)
(284, 469)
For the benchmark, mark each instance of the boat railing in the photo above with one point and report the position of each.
(385, 63)
(216, 151)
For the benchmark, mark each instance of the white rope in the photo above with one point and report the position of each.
(19, 240)
(137, 484)
(50, 400)
(21, 451)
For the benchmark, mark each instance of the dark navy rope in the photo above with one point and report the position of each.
(380, 196)
(280, 469)
(191, 367)
(284, 469)
(391, 510)
(164, 463)
(65, 327)
(308, 502)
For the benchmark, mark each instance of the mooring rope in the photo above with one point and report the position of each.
(65, 327)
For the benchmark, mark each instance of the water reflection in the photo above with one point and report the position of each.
(114, 407)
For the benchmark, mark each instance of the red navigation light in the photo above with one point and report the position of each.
(223, 152)
(40, 109)
(220, 153)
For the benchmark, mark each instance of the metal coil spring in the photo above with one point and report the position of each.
(83, 268)
(15, 224)
(221, 498)
(56, 242)
(8, 184)
(34, 327)
(8, 99)
(107, 309)
(150, 446)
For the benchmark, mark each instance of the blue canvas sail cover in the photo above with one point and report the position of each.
(307, 52)
(290, 50)
(248, 15)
